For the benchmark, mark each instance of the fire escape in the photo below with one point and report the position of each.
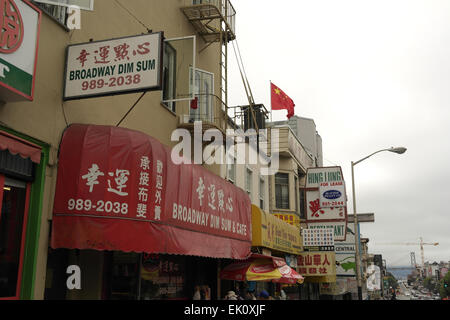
(214, 21)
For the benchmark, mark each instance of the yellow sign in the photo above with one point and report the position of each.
(317, 264)
(292, 219)
(270, 232)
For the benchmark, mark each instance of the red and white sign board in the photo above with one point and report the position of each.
(326, 200)
(115, 66)
(19, 37)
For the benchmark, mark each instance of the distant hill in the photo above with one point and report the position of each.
(401, 274)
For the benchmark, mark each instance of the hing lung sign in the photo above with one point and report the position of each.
(114, 66)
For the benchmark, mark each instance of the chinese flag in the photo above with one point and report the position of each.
(280, 100)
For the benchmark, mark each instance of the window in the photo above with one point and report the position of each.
(13, 197)
(203, 89)
(248, 181)
(282, 190)
(302, 205)
(169, 76)
(296, 194)
(57, 12)
(231, 168)
(261, 193)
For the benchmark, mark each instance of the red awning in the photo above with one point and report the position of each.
(118, 189)
(261, 268)
(19, 146)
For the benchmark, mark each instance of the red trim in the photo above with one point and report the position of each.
(17, 46)
(20, 146)
(22, 247)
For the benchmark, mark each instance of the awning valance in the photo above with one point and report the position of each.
(118, 189)
(19, 146)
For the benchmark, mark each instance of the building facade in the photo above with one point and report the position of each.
(190, 87)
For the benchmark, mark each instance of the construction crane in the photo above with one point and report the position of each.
(421, 244)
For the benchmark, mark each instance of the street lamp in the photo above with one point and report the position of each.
(398, 150)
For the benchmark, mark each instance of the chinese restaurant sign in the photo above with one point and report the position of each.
(273, 233)
(317, 264)
(19, 38)
(114, 66)
(118, 189)
(292, 219)
(326, 199)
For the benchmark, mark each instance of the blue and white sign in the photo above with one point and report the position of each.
(332, 194)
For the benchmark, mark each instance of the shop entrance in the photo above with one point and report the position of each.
(13, 198)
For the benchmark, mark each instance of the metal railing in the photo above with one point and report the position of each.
(226, 9)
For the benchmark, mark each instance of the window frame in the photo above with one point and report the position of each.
(262, 182)
(170, 102)
(279, 203)
(196, 114)
(249, 181)
(23, 236)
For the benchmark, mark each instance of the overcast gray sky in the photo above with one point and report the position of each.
(372, 74)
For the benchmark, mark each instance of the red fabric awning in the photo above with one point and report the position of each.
(118, 189)
(261, 268)
(19, 146)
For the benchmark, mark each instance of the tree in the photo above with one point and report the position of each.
(444, 286)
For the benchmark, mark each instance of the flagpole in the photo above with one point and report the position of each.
(270, 90)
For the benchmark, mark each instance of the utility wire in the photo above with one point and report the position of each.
(126, 114)
(131, 14)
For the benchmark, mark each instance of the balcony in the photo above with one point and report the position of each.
(214, 20)
(210, 111)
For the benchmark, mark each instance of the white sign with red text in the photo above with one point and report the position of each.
(114, 66)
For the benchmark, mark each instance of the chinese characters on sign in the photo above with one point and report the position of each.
(326, 200)
(114, 66)
(317, 264)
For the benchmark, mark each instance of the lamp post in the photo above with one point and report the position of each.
(398, 150)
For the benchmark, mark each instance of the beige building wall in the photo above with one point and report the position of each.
(48, 115)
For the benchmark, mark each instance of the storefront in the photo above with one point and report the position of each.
(137, 224)
(274, 237)
(319, 270)
(22, 173)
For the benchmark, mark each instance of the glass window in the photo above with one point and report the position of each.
(169, 76)
(57, 12)
(282, 190)
(248, 181)
(231, 167)
(203, 89)
(296, 195)
(13, 198)
(261, 193)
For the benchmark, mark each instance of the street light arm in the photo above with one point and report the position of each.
(355, 163)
